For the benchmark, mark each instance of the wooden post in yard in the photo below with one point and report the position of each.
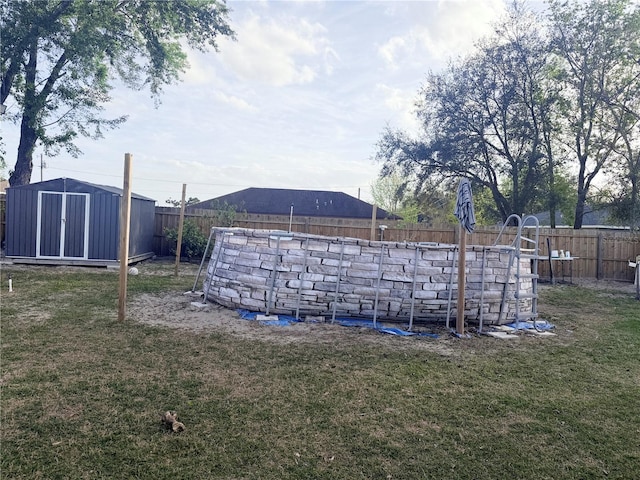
(125, 220)
(464, 213)
(180, 227)
(374, 214)
(462, 258)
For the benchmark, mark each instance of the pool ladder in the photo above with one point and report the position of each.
(517, 253)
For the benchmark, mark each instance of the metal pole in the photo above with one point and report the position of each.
(204, 255)
(375, 305)
(413, 288)
(215, 265)
(335, 297)
(290, 217)
(503, 305)
(273, 275)
(304, 269)
(484, 255)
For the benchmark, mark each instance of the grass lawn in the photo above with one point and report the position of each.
(82, 394)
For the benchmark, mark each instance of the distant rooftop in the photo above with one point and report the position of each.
(310, 203)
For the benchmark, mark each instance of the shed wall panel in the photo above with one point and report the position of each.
(22, 210)
(103, 227)
(142, 227)
(50, 223)
(75, 218)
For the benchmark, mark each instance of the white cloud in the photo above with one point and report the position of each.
(459, 24)
(402, 105)
(281, 52)
(235, 102)
(200, 72)
(393, 48)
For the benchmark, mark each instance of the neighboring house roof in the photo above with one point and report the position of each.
(589, 219)
(309, 203)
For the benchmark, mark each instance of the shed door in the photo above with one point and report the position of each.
(63, 225)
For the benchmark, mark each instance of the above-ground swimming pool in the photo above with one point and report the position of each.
(310, 275)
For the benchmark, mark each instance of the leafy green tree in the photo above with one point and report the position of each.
(178, 203)
(598, 44)
(526, 112)
(193, 240)
(482, 119)
(427, 204)
(391, 193)
(223, 214)
(60, 58)
(625, 171)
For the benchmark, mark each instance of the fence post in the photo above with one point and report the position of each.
(374, 212)
(599, 260)
(180, 227)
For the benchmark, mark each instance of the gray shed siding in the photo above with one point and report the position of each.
(21, 218)
(51, 229)
(142, 227)
(102, 219)
(104, 226)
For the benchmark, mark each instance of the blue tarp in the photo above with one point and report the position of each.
(282, 320)
(539, 325)
(286, 320)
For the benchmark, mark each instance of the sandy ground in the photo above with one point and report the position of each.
(176, 311)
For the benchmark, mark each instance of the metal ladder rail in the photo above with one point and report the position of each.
(514, 254)
(532, 254)
(517, 254)
(505, 225)
(534, 257)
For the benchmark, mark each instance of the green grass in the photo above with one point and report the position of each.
(82, 394)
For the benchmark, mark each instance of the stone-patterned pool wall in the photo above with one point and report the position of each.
(326, 276)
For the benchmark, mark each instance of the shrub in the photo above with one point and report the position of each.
(193, 240)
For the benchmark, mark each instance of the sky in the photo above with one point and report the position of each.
(299, 100)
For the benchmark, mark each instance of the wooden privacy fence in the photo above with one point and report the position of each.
(599, 253)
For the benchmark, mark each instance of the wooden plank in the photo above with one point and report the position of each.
(125, 221)
(180, 228)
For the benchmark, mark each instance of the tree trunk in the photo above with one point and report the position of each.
(21, 174)
(582, 196)
(553, 196)
(634, 213)
(501, 204)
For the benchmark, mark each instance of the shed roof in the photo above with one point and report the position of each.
(311, 203)
(73, 185)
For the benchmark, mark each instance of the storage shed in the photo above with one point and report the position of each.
(71, 222)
